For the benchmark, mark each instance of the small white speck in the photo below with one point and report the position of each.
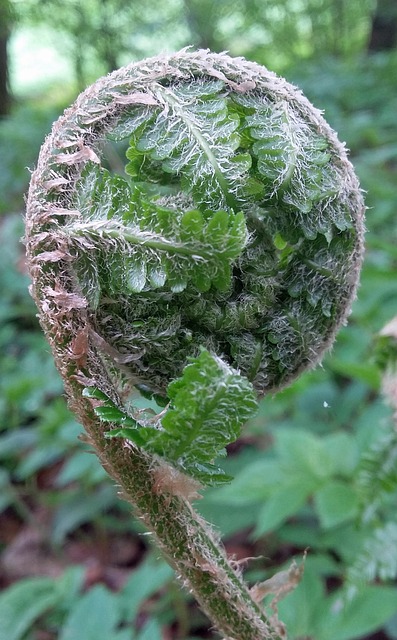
(325, 404)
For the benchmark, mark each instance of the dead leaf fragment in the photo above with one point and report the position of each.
(83, 155)
(65, 300)
(138, 97)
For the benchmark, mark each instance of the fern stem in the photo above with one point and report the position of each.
(143, 239)
(185, 539)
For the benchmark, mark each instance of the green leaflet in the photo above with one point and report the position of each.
(107, 411)
(208, 405)
(141, 244)
(195, 137)
(294, 163)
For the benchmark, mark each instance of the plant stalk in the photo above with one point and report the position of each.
(186, 540)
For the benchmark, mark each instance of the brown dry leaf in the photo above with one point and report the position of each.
(241, 87)
(83, 155)
(51, 256)
(65, 300)
(29, 554)
(55, 182)
(280, 584)
(138, 97)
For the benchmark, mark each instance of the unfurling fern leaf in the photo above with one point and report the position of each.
(235, 232)
(209, 403)
(254, 251)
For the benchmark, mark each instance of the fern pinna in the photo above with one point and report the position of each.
(217, 266)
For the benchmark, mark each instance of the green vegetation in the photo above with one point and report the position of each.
(316, 467)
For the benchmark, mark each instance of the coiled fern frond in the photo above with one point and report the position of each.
(238, 226)
(231, 240)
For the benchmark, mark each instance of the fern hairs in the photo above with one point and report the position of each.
(216, 267)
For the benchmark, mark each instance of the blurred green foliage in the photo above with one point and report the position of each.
(21, 136)
(318, 465)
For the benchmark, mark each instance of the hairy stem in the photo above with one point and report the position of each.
(186, 540)
(138, 238)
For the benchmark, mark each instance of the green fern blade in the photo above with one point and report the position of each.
(131, 120)
(191, 131)
(209, 403)
(157, 246)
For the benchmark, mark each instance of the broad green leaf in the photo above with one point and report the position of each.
(70, 585)
(145, 581)
(39, 458)
(282, 503)
(80, 467)
(336, 503)
(365, 372)
(364, 614)
(23, 603)
(14, 442)
(94, 616)
(228, 518)
(252, 485)
(151, 631)
(343, 451)
(303, 453)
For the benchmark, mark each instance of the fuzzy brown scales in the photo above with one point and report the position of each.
(85, 352)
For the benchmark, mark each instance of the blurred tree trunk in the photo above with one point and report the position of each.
(5, 26)
(384, 26)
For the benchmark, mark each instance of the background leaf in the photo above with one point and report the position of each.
(22, 604)
(96, 612)
(368, 611)
(336, 502)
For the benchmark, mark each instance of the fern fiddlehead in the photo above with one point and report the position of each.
(237, 228)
